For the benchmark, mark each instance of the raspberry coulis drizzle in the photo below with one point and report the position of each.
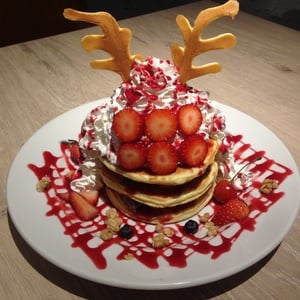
(85, 234)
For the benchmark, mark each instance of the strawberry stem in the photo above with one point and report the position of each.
(245, 166)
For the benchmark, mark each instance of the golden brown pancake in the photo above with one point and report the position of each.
(160, 196)
(180, 176)
(147, 214)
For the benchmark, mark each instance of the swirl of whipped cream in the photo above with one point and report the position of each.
(155, 85)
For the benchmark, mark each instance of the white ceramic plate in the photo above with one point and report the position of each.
(27, 209)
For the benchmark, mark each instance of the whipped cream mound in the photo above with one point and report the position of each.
(154, 84)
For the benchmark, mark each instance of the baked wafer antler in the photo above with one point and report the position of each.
(195, 45)
(115, 41)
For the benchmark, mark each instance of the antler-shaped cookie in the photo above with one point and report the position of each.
(195, 45)
(115, 40)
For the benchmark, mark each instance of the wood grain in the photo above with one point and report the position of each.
(43, 78)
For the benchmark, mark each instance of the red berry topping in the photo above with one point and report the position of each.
(224, 191)
(161, 124)
(193, 150)
(75, 154)
(90, 196)
(131, 155)
(232, 211)
(83, 209)
(189, 118)
(128, 125)
(162, 158)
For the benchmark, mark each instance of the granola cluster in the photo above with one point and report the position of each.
(268, 185)
(159, 240)
(161, 237)
(212, 229)
(43, 184)
(113, 223)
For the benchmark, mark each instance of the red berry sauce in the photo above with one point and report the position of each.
(85, 235)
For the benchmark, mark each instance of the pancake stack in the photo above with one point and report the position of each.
(161, 199)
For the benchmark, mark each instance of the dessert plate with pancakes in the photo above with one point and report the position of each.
(31, 215)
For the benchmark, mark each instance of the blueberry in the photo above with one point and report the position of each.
(191, 226)
(126, 232)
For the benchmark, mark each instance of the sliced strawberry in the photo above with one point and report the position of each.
(72, 175)
(162, 158)
(132, 155)
(128, 125)
(90, 196)
(83, 209)
(232, 211)
(75, 154)
(161, 124)
(193, 150)
(189, 118)
(64, 196)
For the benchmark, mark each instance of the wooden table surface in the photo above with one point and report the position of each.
(43, 78)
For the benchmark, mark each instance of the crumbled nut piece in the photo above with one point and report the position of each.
(128, 256)
(204, 218)
(159, 241)
(106, 234)
(70, 175)
(113, 224)
(268, 186)
(209, 224)
(169, 232)
(212, 229)
(159, 228)
(112, 213)
(43, 184)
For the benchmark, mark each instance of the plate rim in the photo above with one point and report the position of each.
(150, 286)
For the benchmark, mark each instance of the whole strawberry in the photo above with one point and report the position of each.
(233, 210)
